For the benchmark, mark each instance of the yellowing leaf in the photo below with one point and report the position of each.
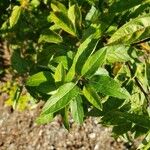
(15, 16)
(133, 31)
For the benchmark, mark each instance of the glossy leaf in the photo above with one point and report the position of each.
(50, 37)
(92, 97)
(93, 62)
(39, 78)
(63, 22)
(15, 16)
(108, 86)
(84, 50)
(77, 109)
(59, 100)
(133, 31)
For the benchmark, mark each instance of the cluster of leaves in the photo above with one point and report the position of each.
(84, 58)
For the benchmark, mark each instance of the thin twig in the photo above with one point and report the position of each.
(138, 83)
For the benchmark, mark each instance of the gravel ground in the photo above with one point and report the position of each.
(19, 132)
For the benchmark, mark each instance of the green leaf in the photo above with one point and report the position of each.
(59, 73)
(75, 15)
(108, 86)
(59, 100)
(93, 62)
(96, 30)
(138, 131)
(123, 5)
(114, 118)
(118, 53)
(50, 37)
(101, 71)
(141, 120)
(122, 117)
(35, 3)
(84, 50)
(113, 103)
(93, 15)
(14, 16)
(93, 2)
(39, 78)
(48, 52)
(139, 10)
(46, 87)
(43, 119)
(65, 117)
(42, 81)
(63, 22)
(17, 96)
(57, 6)
(122, 129)
(63, 60)
(77, 109)
(133, 31)
(92, 97)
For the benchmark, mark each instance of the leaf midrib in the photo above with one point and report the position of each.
(58, 98)
(143, 28)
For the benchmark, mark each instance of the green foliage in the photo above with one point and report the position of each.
(134, 31)
(14, 16)
(61, 98)
(50, 37)
(84, 58)
(77, 109)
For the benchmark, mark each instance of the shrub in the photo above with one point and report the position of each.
(84, 58)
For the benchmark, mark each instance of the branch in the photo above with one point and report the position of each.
(139, 84)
